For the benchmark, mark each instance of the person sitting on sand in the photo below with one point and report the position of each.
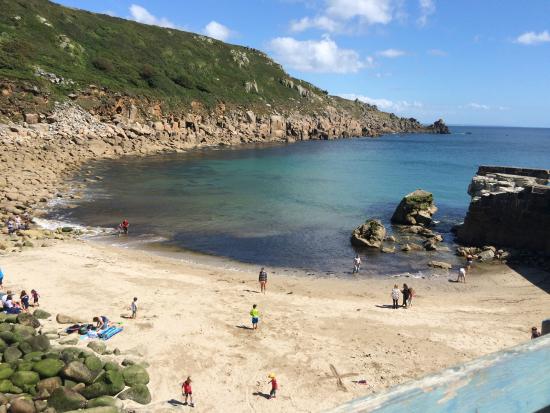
(187, 391)
(262, 278)
(406, 293)
(461, 275)
(356, 264)
(395, 296)
(11, 227)
(24, 297)
(35, 297)
(10, 306)
(5, 297)
(255, 314)
(101, 322)
(274, 386)
(134, 307)
(535, 333)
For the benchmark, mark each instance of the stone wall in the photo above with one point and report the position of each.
(510, 208)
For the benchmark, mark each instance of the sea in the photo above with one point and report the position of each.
(294, 206)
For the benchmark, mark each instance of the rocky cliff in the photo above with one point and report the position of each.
(510, 207)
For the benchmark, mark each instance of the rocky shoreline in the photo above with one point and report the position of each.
(37, 155)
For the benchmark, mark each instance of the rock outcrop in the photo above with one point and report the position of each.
(510, 207)
(371, 234)
(416, 208)
(439, 127)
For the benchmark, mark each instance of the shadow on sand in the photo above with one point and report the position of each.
(244, 327)
(260, 394)
(535, 276)
(386, 306)
(175, 403)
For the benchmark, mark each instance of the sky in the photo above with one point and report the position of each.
(470, 62)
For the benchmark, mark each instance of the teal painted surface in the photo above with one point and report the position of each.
(511, 381)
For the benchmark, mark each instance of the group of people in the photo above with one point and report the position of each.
(16, 223)
(11, 305)
(407, 293)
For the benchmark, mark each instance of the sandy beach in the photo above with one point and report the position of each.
(193, 320)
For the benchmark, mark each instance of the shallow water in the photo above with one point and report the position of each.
(295, 205)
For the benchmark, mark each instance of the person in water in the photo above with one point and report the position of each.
(262, 278)
(255, 314)
(124, 226)
(356, 264)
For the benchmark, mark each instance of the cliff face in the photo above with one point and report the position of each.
(510, 207)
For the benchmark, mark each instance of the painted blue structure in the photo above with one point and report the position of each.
(516, 380)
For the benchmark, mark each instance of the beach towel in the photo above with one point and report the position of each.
(111, 332)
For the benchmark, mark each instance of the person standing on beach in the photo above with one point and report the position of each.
(395, 296)
(461, 275)
(356, 264)
(469, 262)
(1, 278)
(255, 314)
(274, 385)
(406, 293)
(35, 297)
(134, 307)
(24, 298)
(262, 278)
(411, 294)
(187, 391)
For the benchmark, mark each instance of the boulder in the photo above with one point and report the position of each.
(39, 343)
(22, 405)
(440, 264)
(22, 378)
(27, 319)
(6, 386)
(487, 255)
(78, 372)
(8, 337)
(98, 346)
(70, 354)
(99, 409)
(371, 234)
(415, 208)
(49, 384)
(111, 365)
(93, 363)
(48, 367)
(115, 380)
(3, 345)
(24, 365)
(67, 319)
(102, 401)
(41, 314)
(25, 347)
(33, 356)
(11, 354)
(135, 375)
(64, 400)
(5, 371)
(96, 390)
(23, 332)
(139, 393)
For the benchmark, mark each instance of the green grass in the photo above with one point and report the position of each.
(123, 56)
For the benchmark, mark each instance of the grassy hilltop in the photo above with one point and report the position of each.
(162, 64)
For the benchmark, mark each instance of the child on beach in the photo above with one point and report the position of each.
(187, 391)
(395, 296)
(461, 275)
(274, 386)
(255, 314)
(356, 264)
(24, 297)
(134, 307)
(1, 278)
(406, 293)
(35, 297)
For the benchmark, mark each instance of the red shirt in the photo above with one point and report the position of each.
(274, 385)
(187, 387)
(125, 224)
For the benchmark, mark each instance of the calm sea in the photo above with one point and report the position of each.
(295, 205)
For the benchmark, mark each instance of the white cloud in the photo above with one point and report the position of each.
(337, 15)
(533, 38)
(385, 104)
(322, 56)
(142, 15)
(427, 8)
(437, 52)
(392, 53)
(217, 31)
(478, 106)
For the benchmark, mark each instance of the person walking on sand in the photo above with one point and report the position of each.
(262, 278)
(134, 307)
(187, 391)
(356, 264)
(255, 314)
(274, 386)
(406, 293)
(35, 297)
(395, 296)
(461, 275)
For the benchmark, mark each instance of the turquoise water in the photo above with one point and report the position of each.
(295, 205)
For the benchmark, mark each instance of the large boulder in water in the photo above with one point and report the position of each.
(415, 208)
(371, 234)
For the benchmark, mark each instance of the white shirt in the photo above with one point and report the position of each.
(357, 260)
(4, 298)
(462, 272)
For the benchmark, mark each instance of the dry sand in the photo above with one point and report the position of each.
(192, 316)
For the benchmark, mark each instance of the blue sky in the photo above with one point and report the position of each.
(476, 62)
